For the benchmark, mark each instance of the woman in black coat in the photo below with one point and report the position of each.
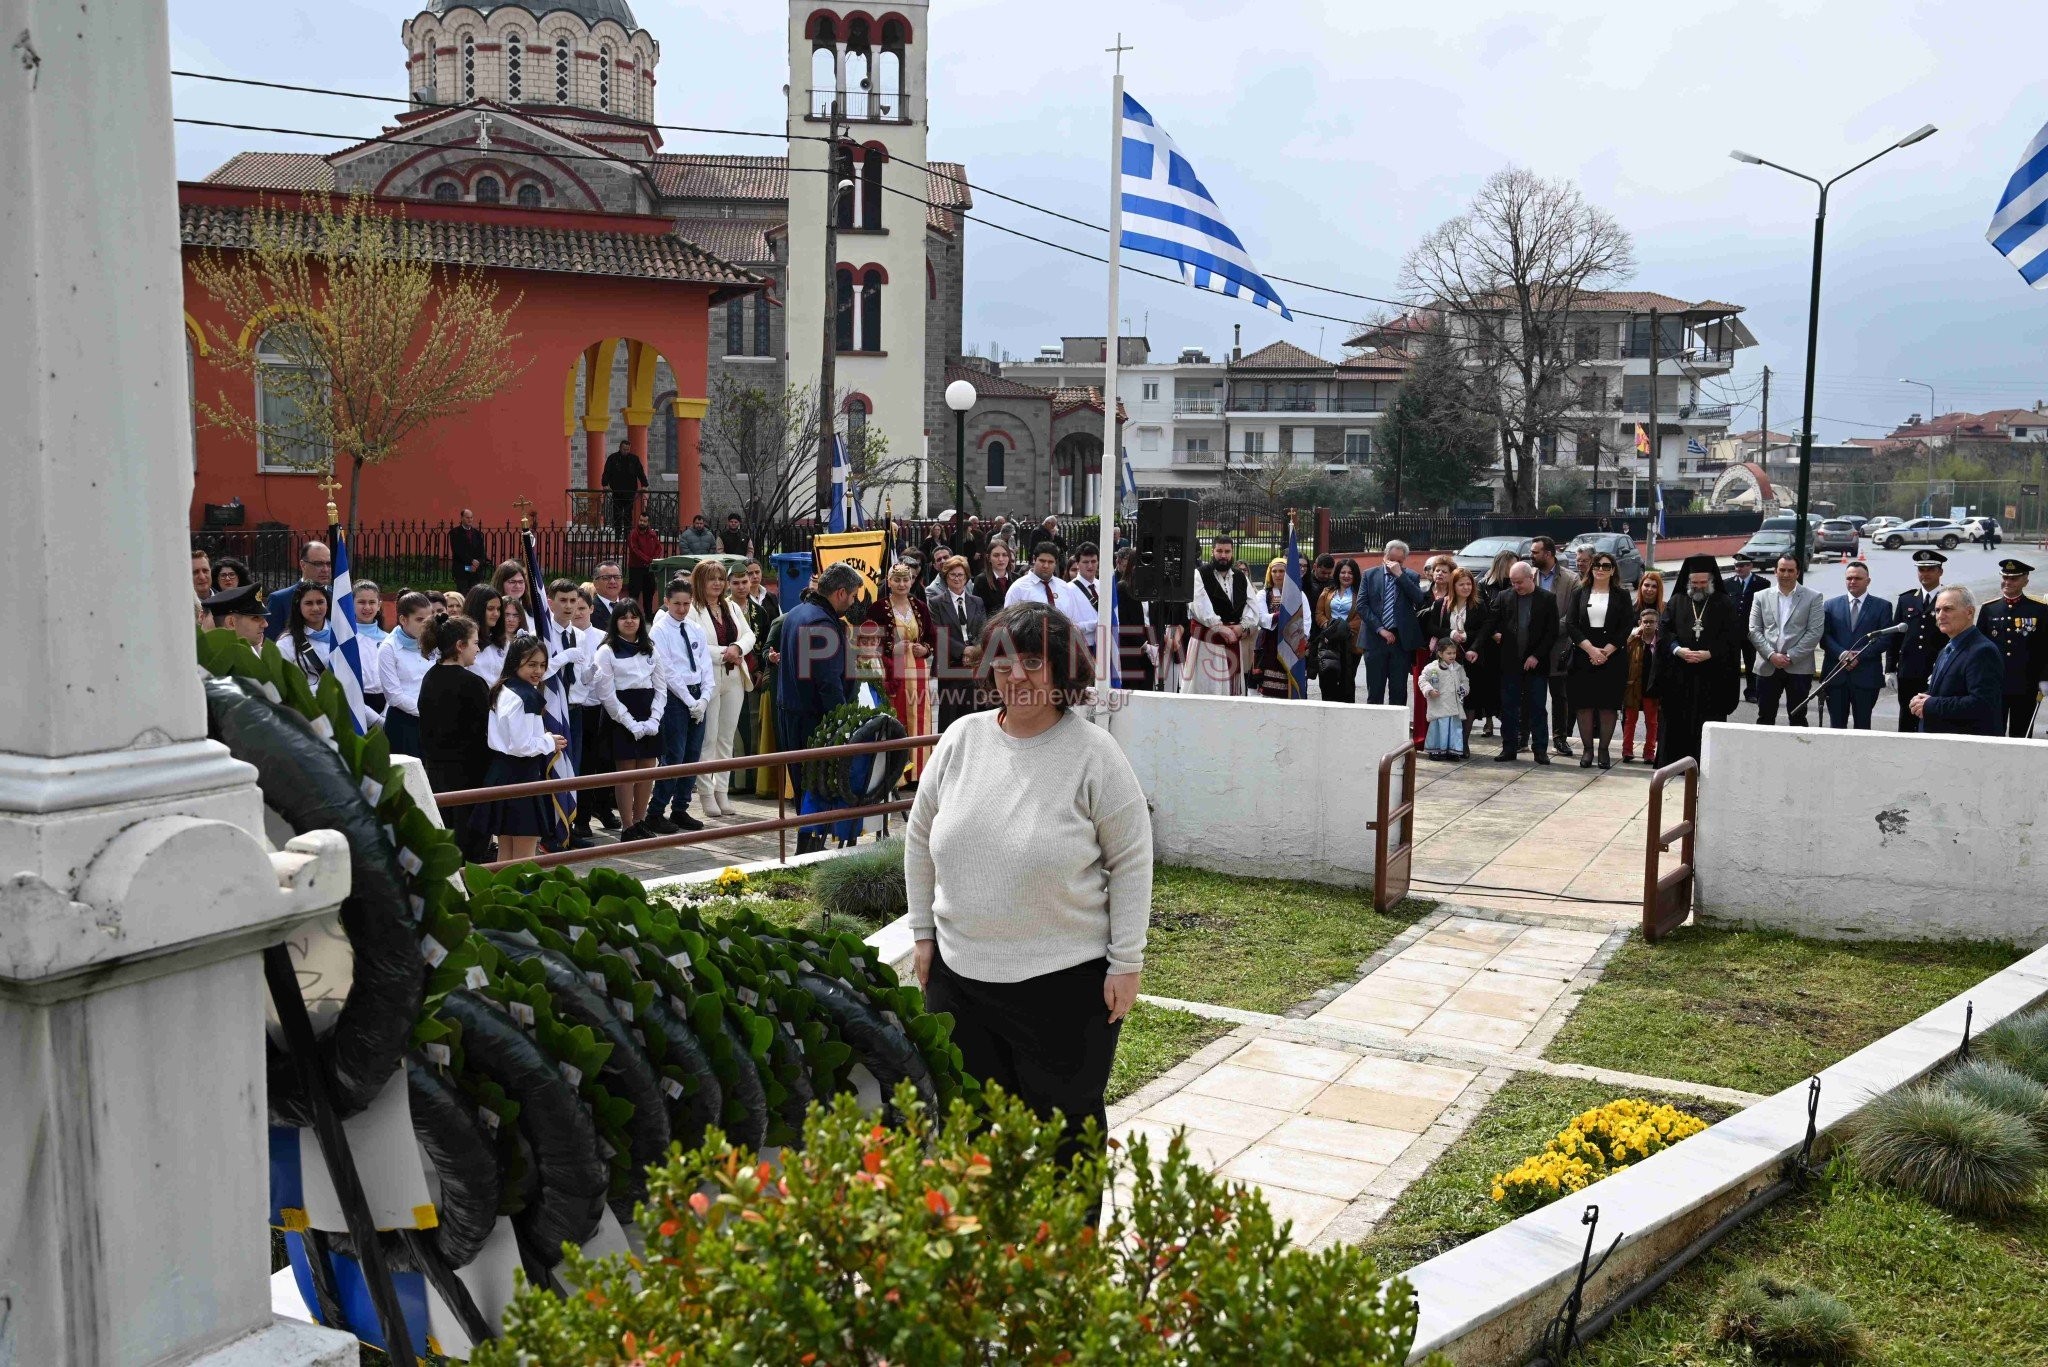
(1602, 615)
(1464, 618)
(455, 707)
(992, 585)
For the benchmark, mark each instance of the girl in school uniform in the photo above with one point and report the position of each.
(631, 684)
(402, 663)
(306, 638)
(521, 746)
(486, 607)
(455, 707)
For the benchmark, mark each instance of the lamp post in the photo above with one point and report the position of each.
(960, 397)
(1820, 221)
(1933, 412)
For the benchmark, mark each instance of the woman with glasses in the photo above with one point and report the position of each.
(1602, 616)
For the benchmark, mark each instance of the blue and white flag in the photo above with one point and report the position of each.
(1693, 447)
(1658, 490)
(346, 660)
(836, 519)
(1169, 212)
(1292, 622)
(2019, 230)
(554, 694)
(1130, 483)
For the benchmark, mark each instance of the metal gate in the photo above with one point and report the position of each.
(1393, 849)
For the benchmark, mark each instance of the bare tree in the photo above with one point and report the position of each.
(1507, 275)
(1268, 482)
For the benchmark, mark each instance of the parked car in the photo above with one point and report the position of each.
(1923, 531)
(1478, 555)
(1856, 520)
(1620, 545)
(1836, 534)
(1774, 538)
(1978, 528)
(1878, 526)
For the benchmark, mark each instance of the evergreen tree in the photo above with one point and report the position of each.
(1437, 443)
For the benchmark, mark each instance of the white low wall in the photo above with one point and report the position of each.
(1258, 787)
(1872, 835)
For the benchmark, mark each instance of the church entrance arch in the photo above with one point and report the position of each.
(616, 393)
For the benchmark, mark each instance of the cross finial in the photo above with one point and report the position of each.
(525, 507)
(1120, 49)
(329, 486)
(483, 132)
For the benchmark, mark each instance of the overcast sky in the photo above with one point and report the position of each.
(1335, 134)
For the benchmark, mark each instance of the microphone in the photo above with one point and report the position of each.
(1895, 629)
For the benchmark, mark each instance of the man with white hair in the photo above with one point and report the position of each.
(1389, 631)
(1966, 695)
(1525, 631)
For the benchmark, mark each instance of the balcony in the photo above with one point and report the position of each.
(1187, 406)
(1638, 349)
(1198, 458)
(1340, 405)
(859, 106)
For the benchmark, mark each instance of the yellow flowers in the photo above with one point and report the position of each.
(730, 883)
(1596, 1144)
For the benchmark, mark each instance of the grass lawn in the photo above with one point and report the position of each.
(1258, 944)
(1933, 1290)
(1452, 1202)
(1760, 1011)
(1154, 1039)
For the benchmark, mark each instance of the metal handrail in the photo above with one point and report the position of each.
(666, 842)
(781, 758)
(1667, 898)
(1384, 853)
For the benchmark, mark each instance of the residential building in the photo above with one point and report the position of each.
(1288, 406)
(1173, 410)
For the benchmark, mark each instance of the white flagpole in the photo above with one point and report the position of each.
(1112, 454)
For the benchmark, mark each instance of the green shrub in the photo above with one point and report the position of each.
(865, 886)
(2003, 1088)
(1786, 1322)
(2021, 1041)
(960, 1243)
(1949, 1149)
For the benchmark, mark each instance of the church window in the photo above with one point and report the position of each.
(604, 78)
(468, 66)
(843, 172)
(736, 327)
(487, 190)
(515, 64)
(871, 311)
(763, 335)
(824, 76)
(996, 452)
(871, 187)
(447, 189)
(291, 387)
(562, 69)
(529, 195)
(842, 328)
(889, 84)
(856, 420)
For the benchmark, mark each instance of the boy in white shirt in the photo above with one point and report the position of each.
(687, 657)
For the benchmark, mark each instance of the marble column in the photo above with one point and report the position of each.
(135, 889)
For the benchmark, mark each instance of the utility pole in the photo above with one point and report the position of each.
(1763, 441)
(1656, 449)
(828, 380)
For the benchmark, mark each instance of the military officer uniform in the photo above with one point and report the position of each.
(1911, 654)
(2020, 627)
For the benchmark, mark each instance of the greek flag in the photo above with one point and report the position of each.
(2019, 230)
(346, 661)
(1292, 622)
(1658, 489)
(1168, 212)
(838, 519)
(1130, 482)
(1693, 447)
(554, 693)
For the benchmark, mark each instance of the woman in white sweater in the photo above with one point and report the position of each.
(731, 637)
(1029, 868)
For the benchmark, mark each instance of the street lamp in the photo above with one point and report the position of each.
(960, 397)
(1820, 219)
(1933, 412)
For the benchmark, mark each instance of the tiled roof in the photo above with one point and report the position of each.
(705, 176)
(946, 188)
(502, 244)
(996, 386)
(1391, 363)
(1073, 398)
(1281, 356)
(275, 171)
(734, 239)
(1640, 301)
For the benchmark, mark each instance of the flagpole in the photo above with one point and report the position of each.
(1105, 546)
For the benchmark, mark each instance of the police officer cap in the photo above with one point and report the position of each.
(246, 601)
(1926, 556)
(2014, 567)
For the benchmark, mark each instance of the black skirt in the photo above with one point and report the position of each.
(402, 731)
(517, 815)
(639, 705)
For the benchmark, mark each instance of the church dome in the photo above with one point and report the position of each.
(589, 11)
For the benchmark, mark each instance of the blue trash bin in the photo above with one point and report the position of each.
(793, 570)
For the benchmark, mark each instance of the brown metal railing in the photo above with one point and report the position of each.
(782, 823)
(1667, 897)
(1391, 857)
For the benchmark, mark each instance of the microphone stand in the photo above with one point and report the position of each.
(1820, 691)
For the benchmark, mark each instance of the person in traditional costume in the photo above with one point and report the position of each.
(907, 637)
(1223, 613)
(1699, 667)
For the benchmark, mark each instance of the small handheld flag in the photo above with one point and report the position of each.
(1292, 622)
(2019, 228)
(554, 693)
(346, 662)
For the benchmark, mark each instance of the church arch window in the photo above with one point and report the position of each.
(843, 171)
(488, 190)
(764, 333)
(889, 84)
(872, 163)
(290, 389)
(562, 69)
(857, 413)
(529, 195)
(445, 190)
(604, 78)
(515, 66)
(842, 328)
(824, 76)
(896, 31)
(994, 453)
(736, 327)
(871, 309)
(468, 65)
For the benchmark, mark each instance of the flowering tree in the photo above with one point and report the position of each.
(357, 336)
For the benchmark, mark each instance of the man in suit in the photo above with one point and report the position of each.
(1560, 583)
(1785, 625)
(2019, 626)
(1391, 634)
(1965, 694)
(1743, 587)
(1525, 631)
(467, 554)
(959, 615)
(1847, 639)
(610, 582)
(1910, 655)
(316, 566)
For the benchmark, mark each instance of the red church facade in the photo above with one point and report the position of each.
(601, 298)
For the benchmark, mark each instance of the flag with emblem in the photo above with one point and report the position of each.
(1642, 441)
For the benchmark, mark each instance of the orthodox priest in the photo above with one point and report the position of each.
(1700, 673)
(1221, 618)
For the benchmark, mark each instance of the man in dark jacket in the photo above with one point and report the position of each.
(815, 675)
(467, 554)
(1525, 633)
(1911, 654)
(624, 477)
(2018, 625)
(1966, 695)
(1743, 586)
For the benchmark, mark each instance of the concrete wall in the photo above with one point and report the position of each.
(1873, 835)
(1260, 788)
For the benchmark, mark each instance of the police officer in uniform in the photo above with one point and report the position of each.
(2020, 626)
(1911, 654)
